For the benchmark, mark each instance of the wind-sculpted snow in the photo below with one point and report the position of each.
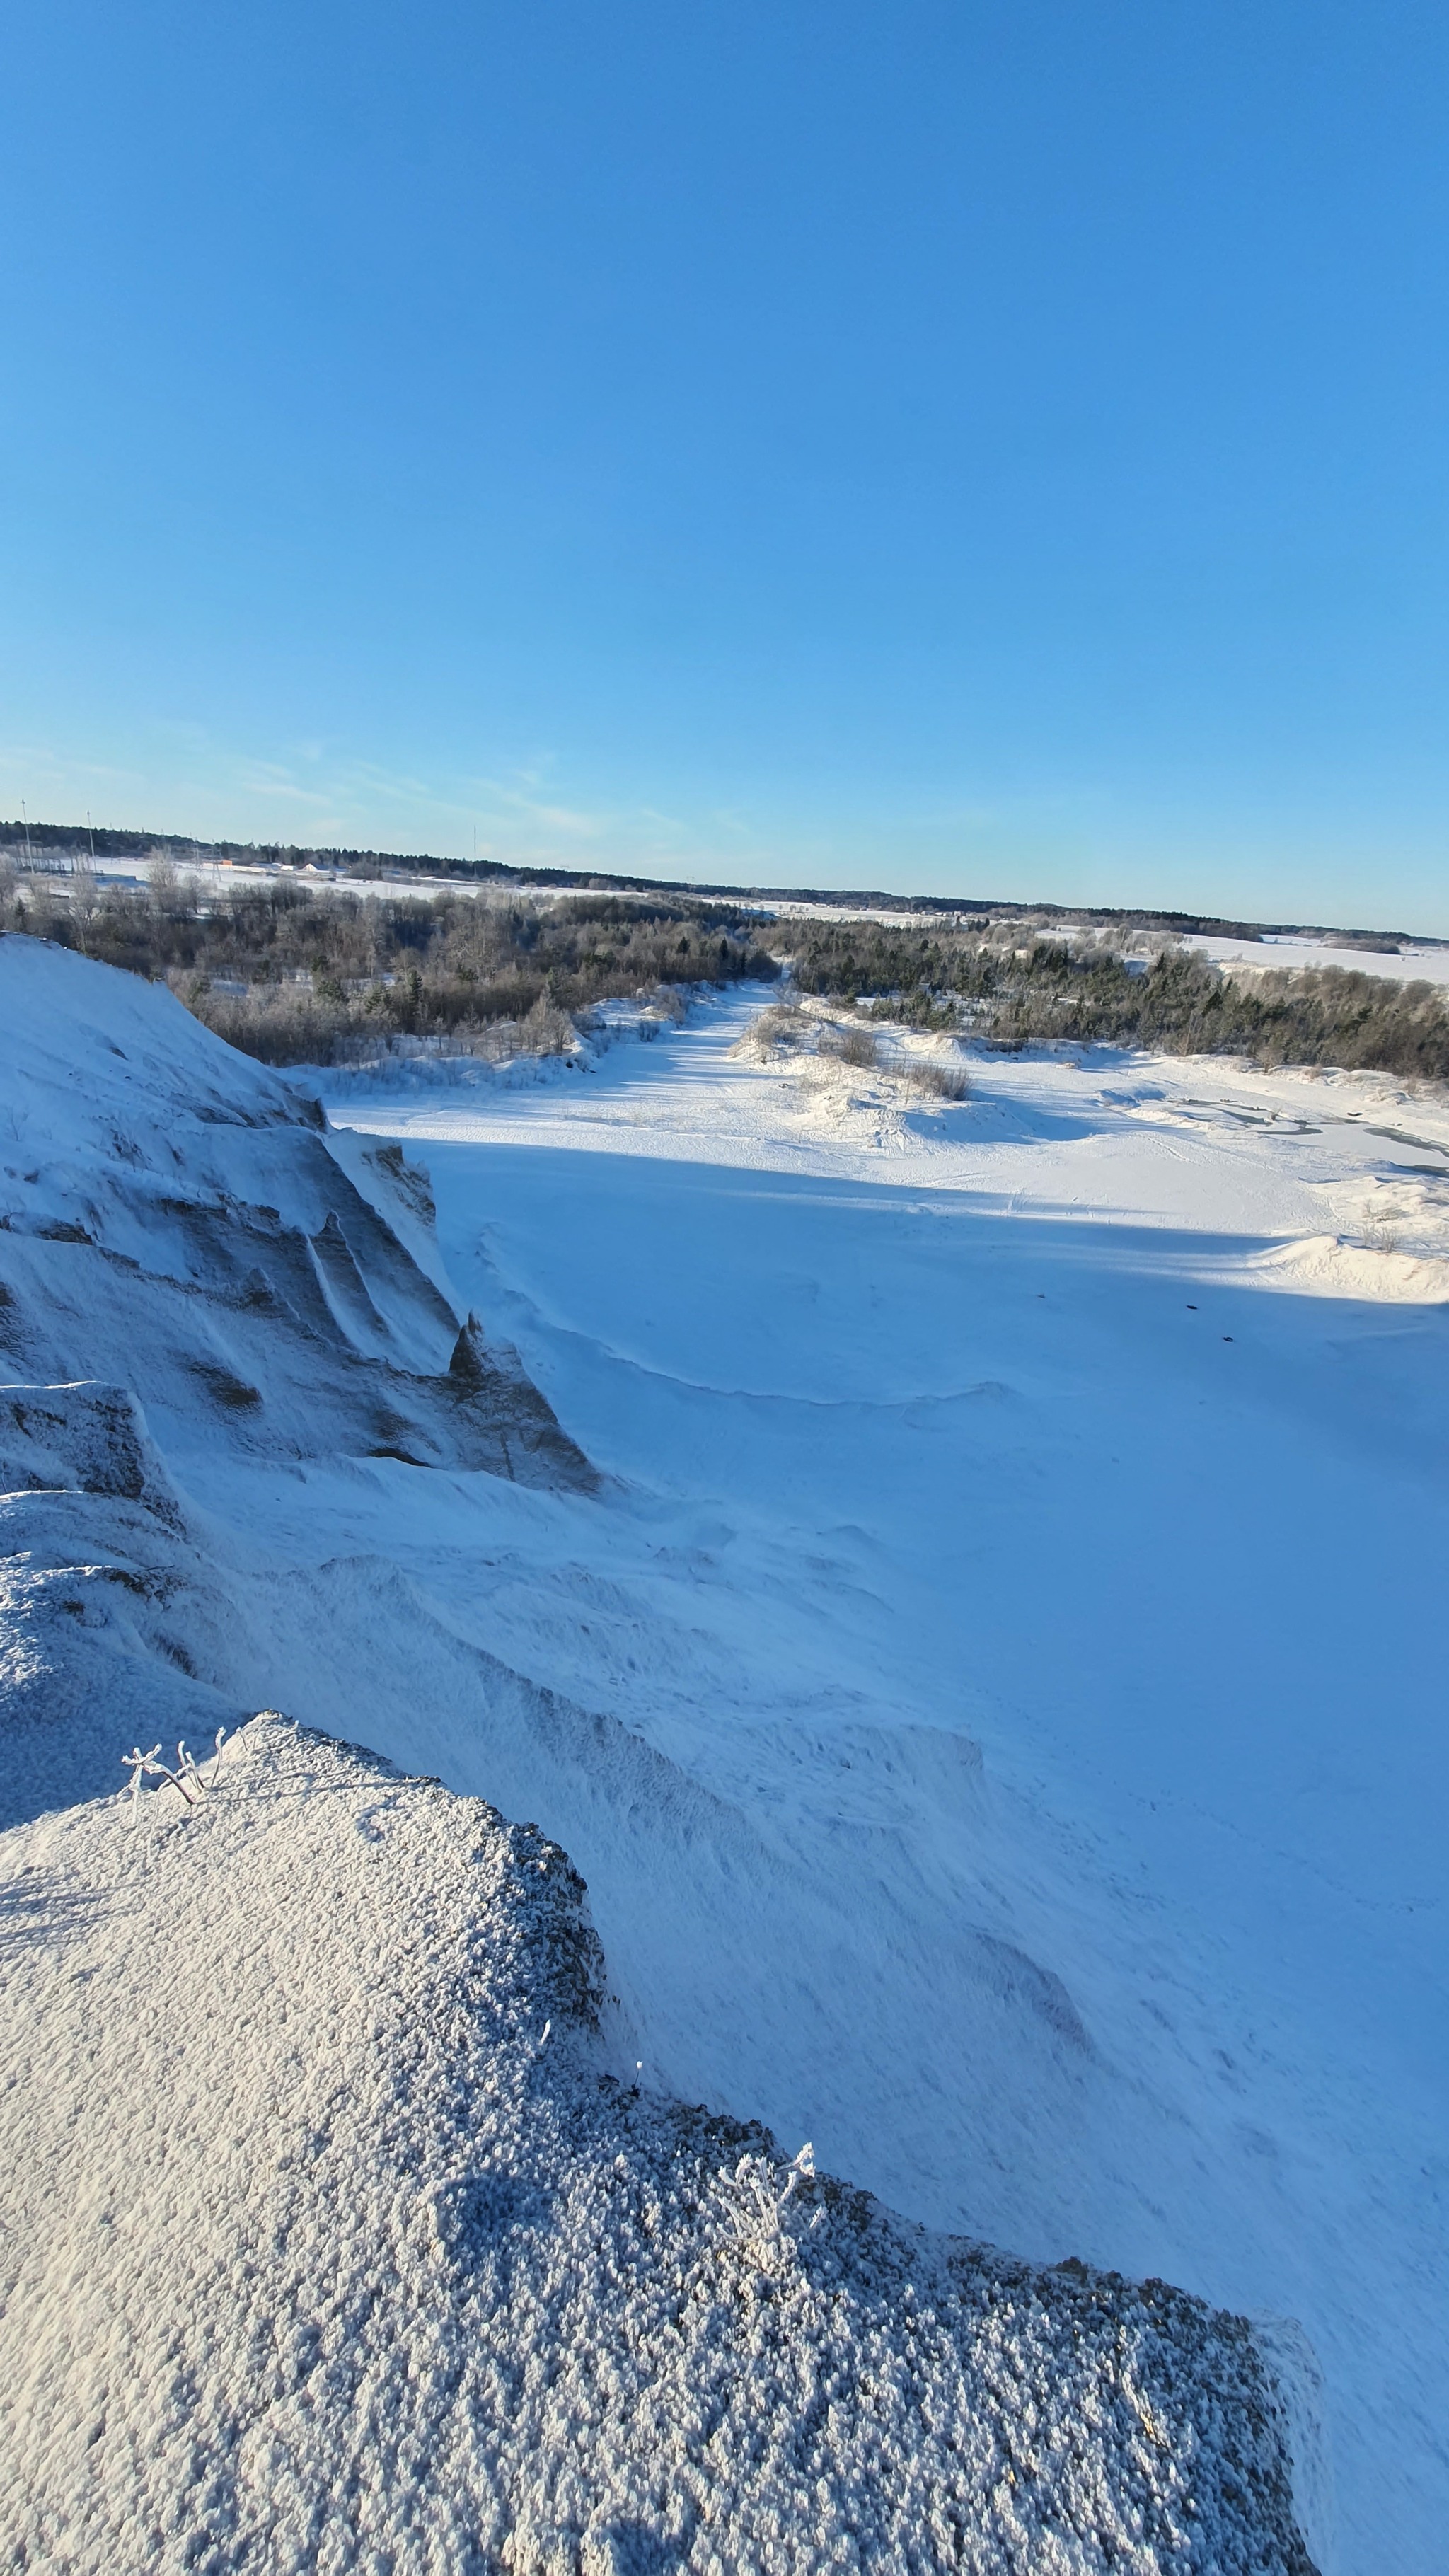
(89, 1439)
(333, 2242)
(165, 1199)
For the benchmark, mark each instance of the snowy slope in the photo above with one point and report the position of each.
(954, 1690)
(1035, 1538)
(165, 1199)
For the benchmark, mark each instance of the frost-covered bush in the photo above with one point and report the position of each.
(941, 1081)
(756, 2201)
(783, 1025)
(853, 1046)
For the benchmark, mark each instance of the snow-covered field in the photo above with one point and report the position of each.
(1031, 1540)
(1416, 961)
(991, 1685)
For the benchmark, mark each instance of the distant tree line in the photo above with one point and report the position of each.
(293, 973)
(985, 980)
(63, 845)
(59, 845)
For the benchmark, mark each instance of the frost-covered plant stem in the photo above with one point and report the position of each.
(760, 2225)
(188, 1780)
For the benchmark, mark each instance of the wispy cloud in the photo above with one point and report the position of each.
(557, 818)
(520, 811)
(284, 787)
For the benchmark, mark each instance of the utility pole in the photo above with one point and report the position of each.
(90, 835)
(25, 819)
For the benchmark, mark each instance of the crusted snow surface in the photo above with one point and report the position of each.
(332, 2242)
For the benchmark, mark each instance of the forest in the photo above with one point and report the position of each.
(299, 974)
(986, 983)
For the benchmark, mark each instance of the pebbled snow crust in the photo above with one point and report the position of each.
(332, 2244)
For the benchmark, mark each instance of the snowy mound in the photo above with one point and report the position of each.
(333, 2243)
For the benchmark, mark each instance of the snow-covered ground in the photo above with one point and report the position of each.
(1416, 961)
(1029, 1543)
(990, 1687)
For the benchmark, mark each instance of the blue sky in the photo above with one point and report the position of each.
(977, 448)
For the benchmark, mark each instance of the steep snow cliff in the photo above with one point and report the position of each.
(166, 1199)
